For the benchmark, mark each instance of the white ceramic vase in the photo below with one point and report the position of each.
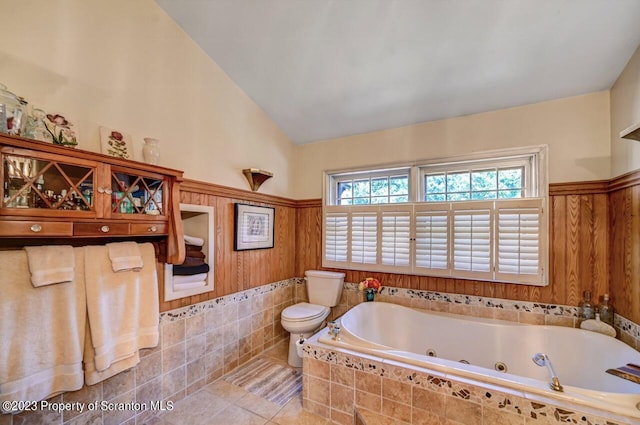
(151, 151)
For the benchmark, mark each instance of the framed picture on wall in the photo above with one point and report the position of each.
(253, 227)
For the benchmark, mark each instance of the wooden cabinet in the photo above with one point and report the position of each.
(54, 191)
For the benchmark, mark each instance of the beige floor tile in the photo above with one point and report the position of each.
(280, 351)
(235, 415)
(198, 409)
(259, 405)
(293, 414)
(225, 390)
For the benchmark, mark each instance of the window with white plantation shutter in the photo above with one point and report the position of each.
(336, 227)
(472, 241)
(364, 237)
(520, 239)
(432, 238)
(396, 238)
(479, 216)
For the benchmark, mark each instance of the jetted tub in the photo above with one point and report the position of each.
(498, 352)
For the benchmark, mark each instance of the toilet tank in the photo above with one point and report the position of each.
(324, 288)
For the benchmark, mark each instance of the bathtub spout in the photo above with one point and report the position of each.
(542, 360)
(334, 330)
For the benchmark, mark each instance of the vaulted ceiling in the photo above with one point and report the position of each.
(330, 68)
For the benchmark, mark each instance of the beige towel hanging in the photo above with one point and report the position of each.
(41, 331)
(50, 264)
(123, 312)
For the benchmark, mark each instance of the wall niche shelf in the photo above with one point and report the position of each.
(198, 221)
(632, 133)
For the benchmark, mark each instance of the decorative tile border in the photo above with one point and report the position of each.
(195, 309)
(480, 402)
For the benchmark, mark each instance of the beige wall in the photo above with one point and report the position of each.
(625, 111)
(576, 130)
(125, 64)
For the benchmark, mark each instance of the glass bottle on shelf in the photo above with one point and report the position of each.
(606, 311)
(12, 111)
(586, 310)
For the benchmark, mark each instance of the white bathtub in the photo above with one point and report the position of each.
(579, 357)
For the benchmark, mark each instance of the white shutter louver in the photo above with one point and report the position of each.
(364, 237)
(519, 240)
(432, 239)
(396, 239)
(335, 237)
(472, 242)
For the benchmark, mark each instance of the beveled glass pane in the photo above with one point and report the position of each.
(483, 180)
(379, 187)
(458, 196)
(510, 178)
(489, 194)
(361, 188)
(458, 182)
(436, 183)
(509, 194)
(360, 201)
(399, 185)
(398, 199)
(344, 190)
(439, 197)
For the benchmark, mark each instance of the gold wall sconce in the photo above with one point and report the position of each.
(256, 177)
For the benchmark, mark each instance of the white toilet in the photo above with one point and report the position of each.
(324, 290)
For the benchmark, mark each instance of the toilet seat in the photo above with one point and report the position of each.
(303, 312)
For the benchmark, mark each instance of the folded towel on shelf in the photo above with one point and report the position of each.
(193, 240)
(125, 256)
(179, 270)
(180, 280)
(189, 285)
(191, 252)
(122, 309)
(50, 264)
(192, 261)
(42, 331)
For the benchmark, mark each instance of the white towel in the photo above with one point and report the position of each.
(179, 280)
(193, 240)
(41, 331)
(125, 256)
(50, 264)
(177, 287)
(123, 310)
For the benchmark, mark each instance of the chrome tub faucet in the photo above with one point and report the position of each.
(334, 330)
(542, 360)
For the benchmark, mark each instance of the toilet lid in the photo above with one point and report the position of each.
(303, 311)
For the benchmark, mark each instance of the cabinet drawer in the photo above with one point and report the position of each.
(35, 228)
(101, 229)
(149, 228)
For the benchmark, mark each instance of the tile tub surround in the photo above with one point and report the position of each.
(470, 305)
(198, 344)
(336, 382)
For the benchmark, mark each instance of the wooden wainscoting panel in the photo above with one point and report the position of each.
(578, 255)
(241, 270)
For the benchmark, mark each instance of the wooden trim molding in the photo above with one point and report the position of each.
(196, 186)
(624, 181)
(579, 188)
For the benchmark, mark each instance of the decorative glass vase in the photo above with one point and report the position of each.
(370, 294)
(151, 151)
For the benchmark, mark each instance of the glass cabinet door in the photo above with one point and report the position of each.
(135, 194)
(47, 184)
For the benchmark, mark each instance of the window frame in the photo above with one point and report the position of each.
(532, 159)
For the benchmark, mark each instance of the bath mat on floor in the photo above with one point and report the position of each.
(265, 378)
